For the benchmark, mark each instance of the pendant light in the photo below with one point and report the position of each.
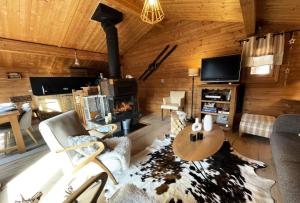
(76, 62)
(152, 12)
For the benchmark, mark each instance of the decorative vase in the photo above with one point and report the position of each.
(208, 123)
(197, 125)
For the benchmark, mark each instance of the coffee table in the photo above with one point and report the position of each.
(199, 150)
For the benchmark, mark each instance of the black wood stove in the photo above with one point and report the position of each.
(121, 93)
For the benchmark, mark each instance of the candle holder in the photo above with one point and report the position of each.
(199, 136)
(193, 137)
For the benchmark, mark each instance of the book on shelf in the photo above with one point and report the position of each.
(209, 110)
(209, 105)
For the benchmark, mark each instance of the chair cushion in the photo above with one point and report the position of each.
(176, 96)
(170, 106)
(116, 157)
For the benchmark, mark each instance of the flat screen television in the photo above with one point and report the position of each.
(221, 69)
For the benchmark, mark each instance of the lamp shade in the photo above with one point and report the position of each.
(193, 72)
(152, 12)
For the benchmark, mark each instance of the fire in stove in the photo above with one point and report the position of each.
(123, 107)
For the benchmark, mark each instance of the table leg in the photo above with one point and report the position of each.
(17, 134)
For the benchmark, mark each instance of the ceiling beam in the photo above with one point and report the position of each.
(132, 6)
(249, 16)
(21, 47)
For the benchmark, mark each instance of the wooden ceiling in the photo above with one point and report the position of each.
(279, 11)
(63, 23)
(203, 10)
(66, 23)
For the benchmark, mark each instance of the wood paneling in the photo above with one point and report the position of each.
(15, 46)
(54, 24)
(279, 11)
(249, 16)
(34, 65)
(64, 23)
(275, 98)
(132, 6)
(67, 24)
(203, 10)
(197, 40)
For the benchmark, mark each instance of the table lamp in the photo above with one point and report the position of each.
(192, 73)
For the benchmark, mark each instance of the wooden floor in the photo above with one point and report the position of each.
(250, 146)
(257, 148)
(13, 163)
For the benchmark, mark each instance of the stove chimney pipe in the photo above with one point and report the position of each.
(109, 17)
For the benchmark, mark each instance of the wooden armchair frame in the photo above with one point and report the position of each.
(90, 158)
(95, 132)
(102, 176)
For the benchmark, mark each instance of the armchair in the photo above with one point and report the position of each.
(56, 131)
(174, 102)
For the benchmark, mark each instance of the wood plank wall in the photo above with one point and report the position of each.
(197, 40)
(37, 66)
(276, 98)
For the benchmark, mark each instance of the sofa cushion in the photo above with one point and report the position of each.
(285, 144)
(286, 147)
(288, 175)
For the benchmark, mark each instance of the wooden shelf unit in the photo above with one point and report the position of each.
(231, 103)
(218, 102)
(214, 114)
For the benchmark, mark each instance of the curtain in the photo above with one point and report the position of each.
(267, 50)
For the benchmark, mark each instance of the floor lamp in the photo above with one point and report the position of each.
(192, 73)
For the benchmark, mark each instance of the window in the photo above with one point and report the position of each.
(261, 74)
(262, 70)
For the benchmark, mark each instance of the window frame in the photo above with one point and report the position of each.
(271, 70)
(263, 78)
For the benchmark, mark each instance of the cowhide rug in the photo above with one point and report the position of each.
(230, 177)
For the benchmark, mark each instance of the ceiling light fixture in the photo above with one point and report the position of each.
(152, 12)
(76, 62)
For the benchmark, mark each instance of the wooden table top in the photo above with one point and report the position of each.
(201, 149)
(10, 113)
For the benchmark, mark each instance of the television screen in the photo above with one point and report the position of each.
(221, 69)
